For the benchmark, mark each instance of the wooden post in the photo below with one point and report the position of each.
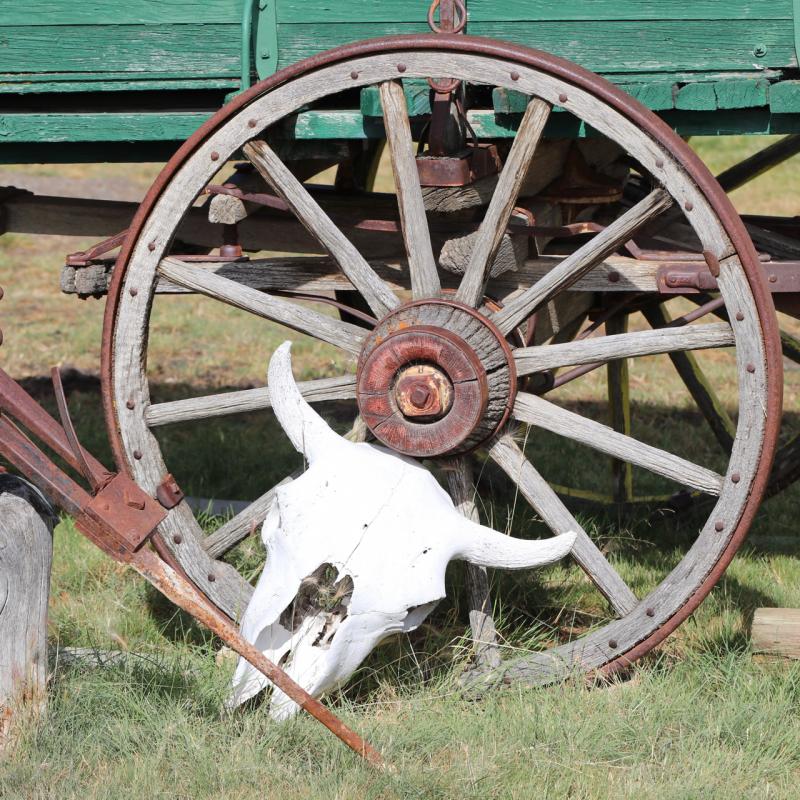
(26, 545)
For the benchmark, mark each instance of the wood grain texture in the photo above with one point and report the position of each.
(600, 246)
(26, 547)
(776, 632)
(240, 402)
(318, 223)
(417, 238)
(537, 411)
(294, 316)
(535, 489)
(502, 203)
(484, 633)
(623, 345)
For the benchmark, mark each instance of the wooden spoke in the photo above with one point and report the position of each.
(225, 403)
(293, 315)
(484, 633)
(623, 345)
(417, 238)
(380, 298)
(243, 524)
(600, 246)
(540, 412)
(507, 454)
(697, 384)
(502, 203)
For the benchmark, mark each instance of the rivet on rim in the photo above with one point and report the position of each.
(562, 98)
(659, 162)
(719, 526)
(251, 123)
(736, 477)
(651, 612)
(401, 67)
(130, 405)
(751, 367)
(211, 577)
(688, 205)
(514, 75)
(177, 538)
(151, 246)
(613, 276)
(214, 155)
(613, 644)
(739, 316)
(354, 74)
(133, 291)
(137, 454)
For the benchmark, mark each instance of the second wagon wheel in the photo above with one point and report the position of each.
(464, 344)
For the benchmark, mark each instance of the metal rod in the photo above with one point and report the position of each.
(755, 165)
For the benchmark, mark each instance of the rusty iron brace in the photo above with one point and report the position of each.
(120, 519)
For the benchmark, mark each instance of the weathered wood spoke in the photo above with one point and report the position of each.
(484, 633)
(623, 345)
(582, 260)
(493, 227)
(542, 413)
(422, 266)
(243, 524)
(507, 454)
(225, 403)
(293, 315)
(380, 298)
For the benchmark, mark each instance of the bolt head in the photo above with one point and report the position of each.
(423, 391)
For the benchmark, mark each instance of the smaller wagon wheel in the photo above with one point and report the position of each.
(458, 338)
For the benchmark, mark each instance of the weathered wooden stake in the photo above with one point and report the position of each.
(26, 546)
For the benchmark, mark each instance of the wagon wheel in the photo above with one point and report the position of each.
(453, 334)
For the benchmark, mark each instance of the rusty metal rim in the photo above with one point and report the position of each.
(646, 120)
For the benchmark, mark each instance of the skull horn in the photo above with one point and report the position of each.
(306, 429)
(488, 548)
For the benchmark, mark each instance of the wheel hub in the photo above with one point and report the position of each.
(435, 378)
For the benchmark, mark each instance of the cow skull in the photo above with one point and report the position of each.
(357, 549)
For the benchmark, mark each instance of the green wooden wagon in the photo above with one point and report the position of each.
(544, 197)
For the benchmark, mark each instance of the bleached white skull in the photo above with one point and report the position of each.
(357, 549)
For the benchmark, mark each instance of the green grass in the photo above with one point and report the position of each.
(703, 717)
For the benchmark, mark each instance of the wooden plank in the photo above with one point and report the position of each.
(498, 214)
(319, 224)
(535, 489)
(696, 97)
(657, 95)
(614, 46)
(776, 632)
(742, 93)
(173, 49)
(293, 11)
(583, 259)
(245, 400)
(112, 12)
(416, 235)
(275, 309)
(537, 411)
(784, 97)
(625, 345)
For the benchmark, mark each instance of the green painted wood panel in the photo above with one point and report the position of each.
(785, 97)
(194, 50)
(625, 46)
(539, 10)
(115, 12)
